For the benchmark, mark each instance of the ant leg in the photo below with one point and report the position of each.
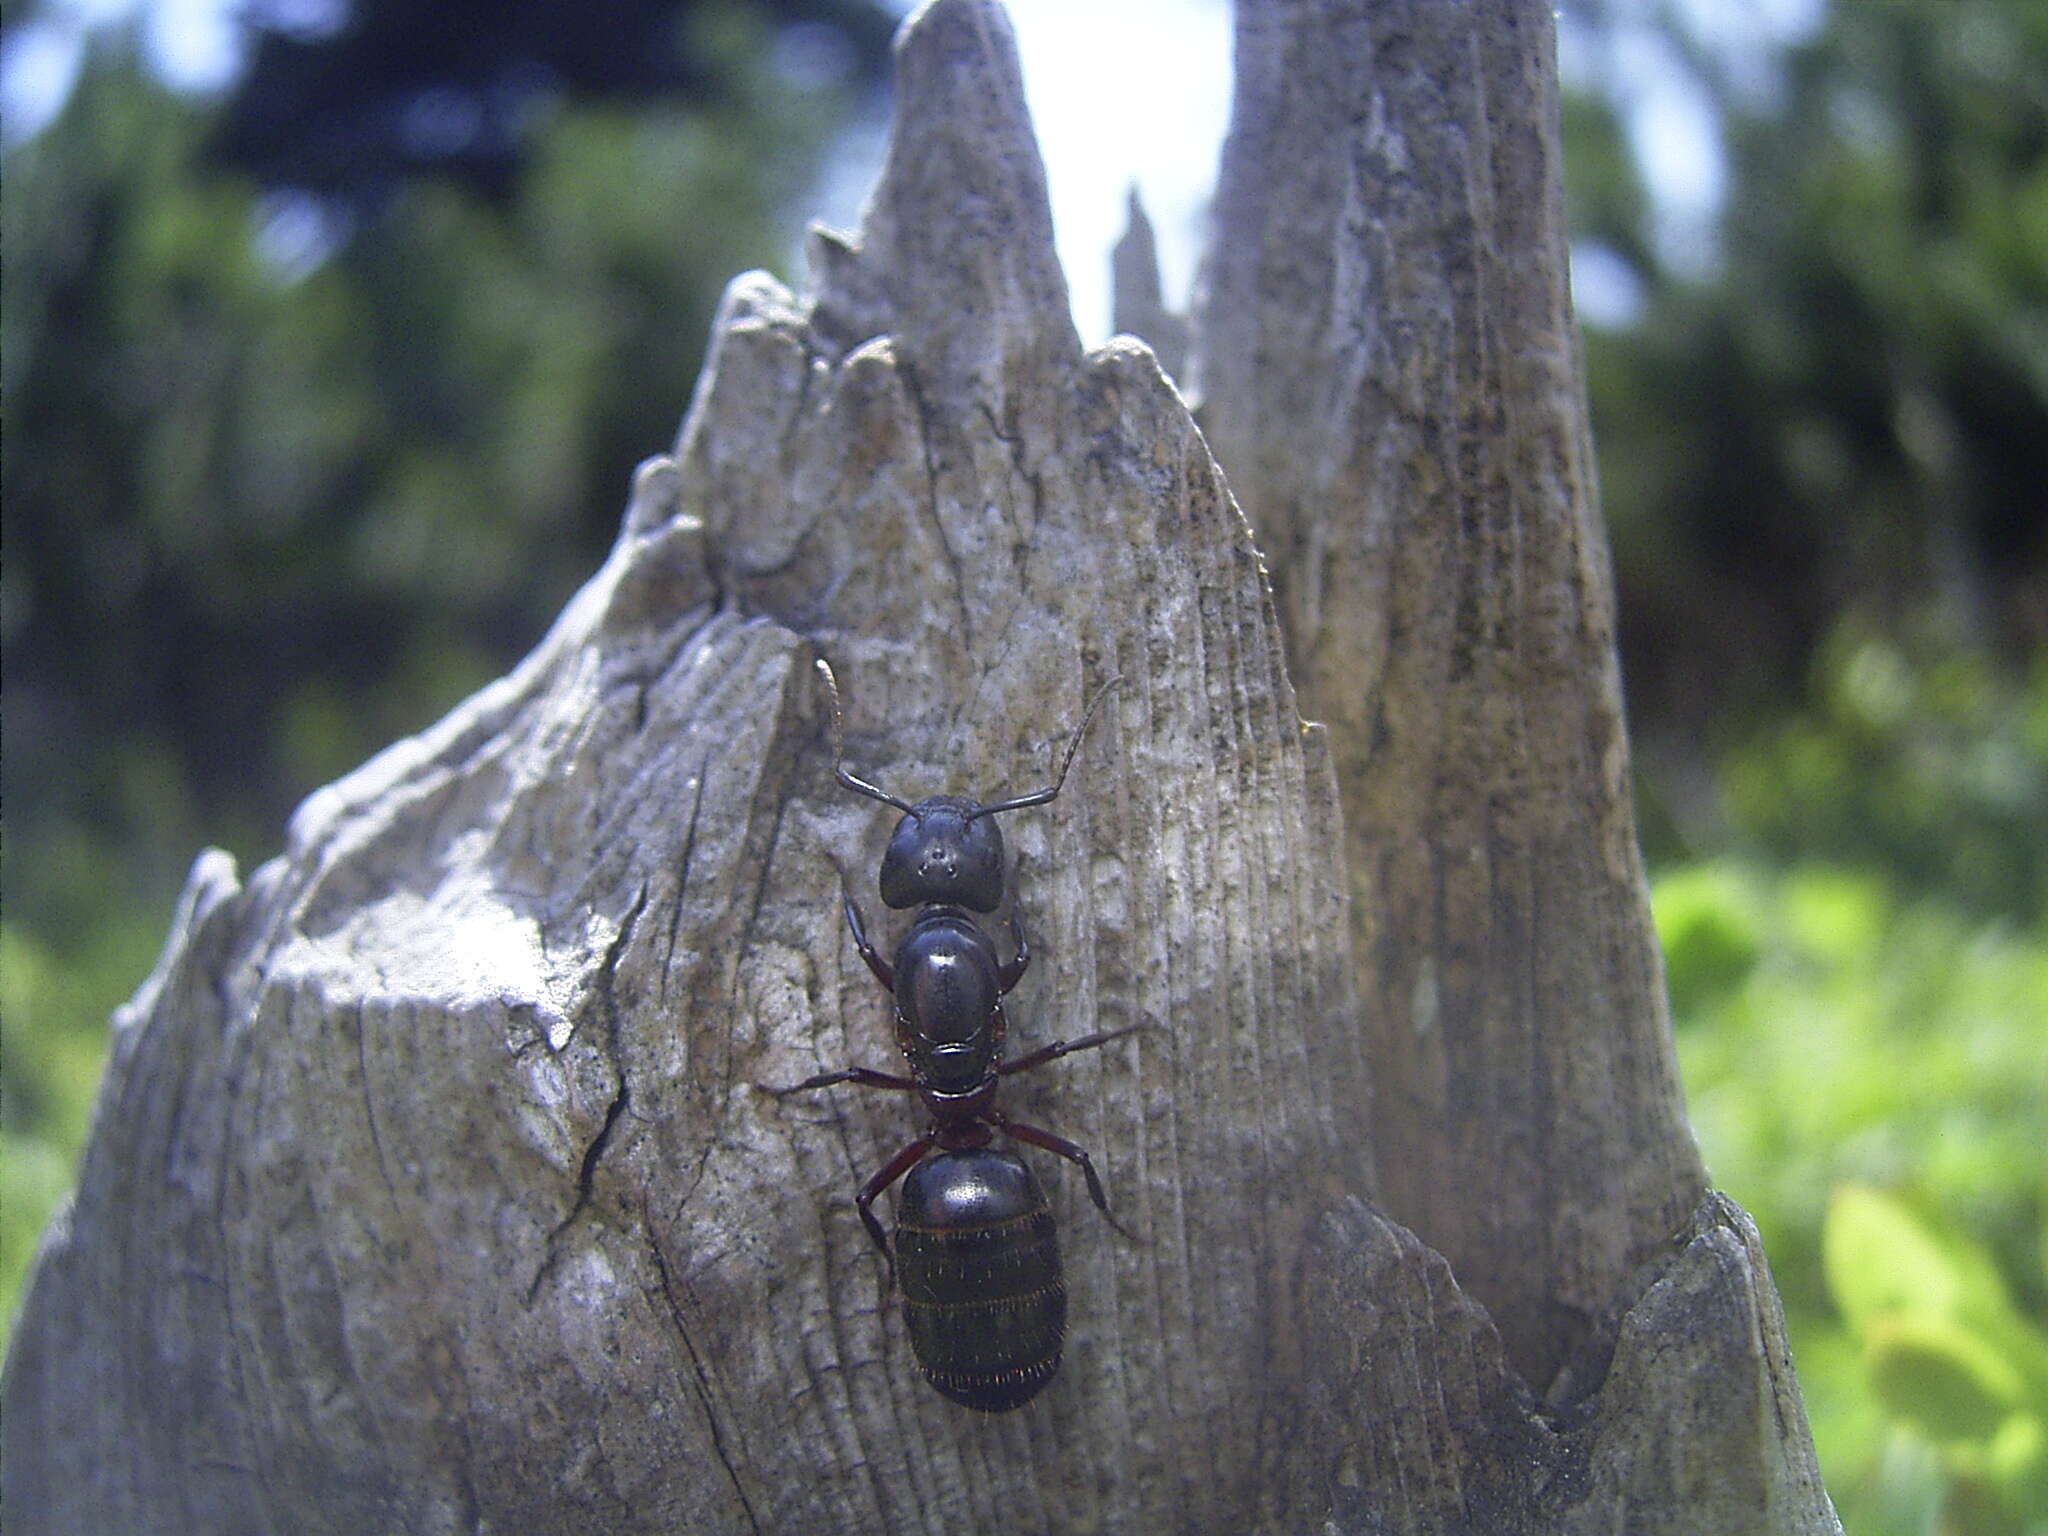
(1012, 970)
(1059, 1048)
(865, 1076)
(1061, 1147)
(884, 972)
(886, 1175)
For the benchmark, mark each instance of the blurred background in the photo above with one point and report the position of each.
(331, 331)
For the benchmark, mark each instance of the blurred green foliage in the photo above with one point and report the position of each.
(1840, 1037)
(1824, 461)
(1862, 1008)
(1845, 414)
(1921, 758)
(276, 493)
(245, 485)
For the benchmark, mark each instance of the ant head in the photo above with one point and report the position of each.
(947, 850)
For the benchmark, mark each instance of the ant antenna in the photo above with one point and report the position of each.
(1040, 796)
(839, 768)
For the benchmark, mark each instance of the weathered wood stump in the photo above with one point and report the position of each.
(429, 1188)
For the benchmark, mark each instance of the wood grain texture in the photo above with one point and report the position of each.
(1388, 368)
(430, 1189)
(1423, 1425)
(485, 1226)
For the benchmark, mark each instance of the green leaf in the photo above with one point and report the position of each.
(2017, 1462)
(1712, 935)
(1880, 1259)
(1889, 1268)
(1940, 1377)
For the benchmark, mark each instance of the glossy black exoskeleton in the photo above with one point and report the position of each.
(975, 1248)
(979, 1264)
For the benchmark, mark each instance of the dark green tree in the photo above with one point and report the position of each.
(286, 472)
(1824, 461)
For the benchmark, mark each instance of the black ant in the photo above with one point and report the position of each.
(975, 1246)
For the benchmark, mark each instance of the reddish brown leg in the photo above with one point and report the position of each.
(867, 1077)
(886, 1175)
(885, 973)
(1059, 1048)
(1061, 1147)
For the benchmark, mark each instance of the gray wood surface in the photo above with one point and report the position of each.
(1390, 375)
(430, 1190)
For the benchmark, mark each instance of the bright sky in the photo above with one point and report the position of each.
(1130, 92)
(1136, 92)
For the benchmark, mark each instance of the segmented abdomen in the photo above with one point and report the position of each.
(979, 1263)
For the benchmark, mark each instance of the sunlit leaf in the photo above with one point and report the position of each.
(1940, 1377)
